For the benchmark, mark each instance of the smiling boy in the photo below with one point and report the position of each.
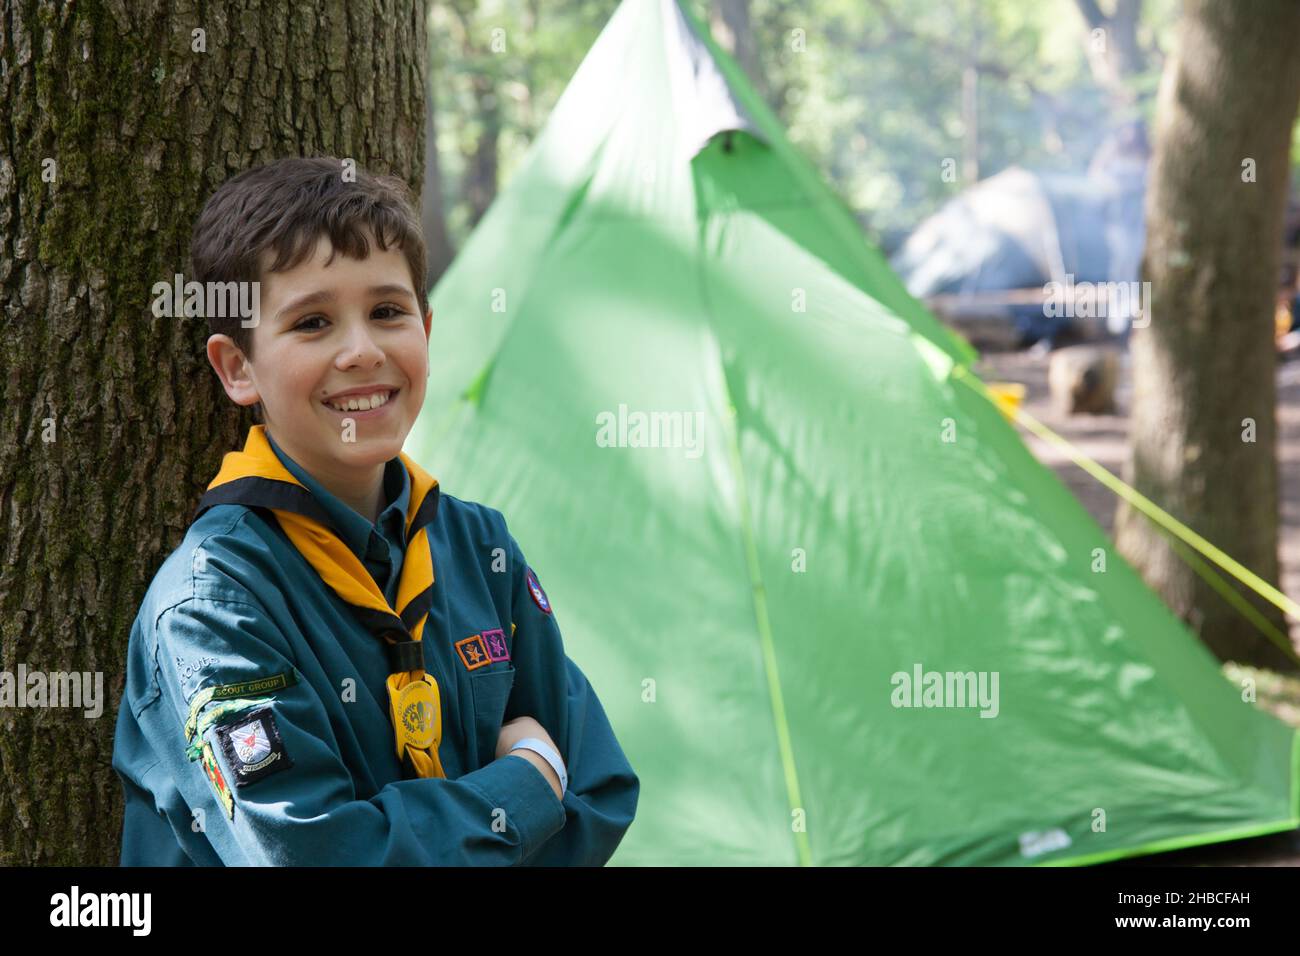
(340, 664)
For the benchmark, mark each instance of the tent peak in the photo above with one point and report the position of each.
(703, 100)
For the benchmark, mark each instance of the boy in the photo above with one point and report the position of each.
(340, 664)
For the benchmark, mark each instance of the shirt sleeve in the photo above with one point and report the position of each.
(271, 778)
(601, 799)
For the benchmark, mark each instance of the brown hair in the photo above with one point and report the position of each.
(285, 206)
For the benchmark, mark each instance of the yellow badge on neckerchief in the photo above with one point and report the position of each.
(256, 477)
(418, 714)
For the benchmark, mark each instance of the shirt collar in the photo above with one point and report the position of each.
(353, 528)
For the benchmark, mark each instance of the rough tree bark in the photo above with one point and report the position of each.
(137, 118)
(1207, 363)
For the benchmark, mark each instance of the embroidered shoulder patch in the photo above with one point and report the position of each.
(538, 595)
(220, 713)
(253, 747)
(218, 780)
(260, 687)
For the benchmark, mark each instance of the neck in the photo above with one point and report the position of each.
(364, 495)
(361, 489)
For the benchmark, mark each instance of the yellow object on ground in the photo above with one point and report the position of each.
(1009, 395)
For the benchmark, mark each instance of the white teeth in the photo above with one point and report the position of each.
(361, 404)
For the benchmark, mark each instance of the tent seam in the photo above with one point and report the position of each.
(758, 590)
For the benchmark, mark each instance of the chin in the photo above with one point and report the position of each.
(370, 451)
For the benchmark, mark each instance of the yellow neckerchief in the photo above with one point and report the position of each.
(257, 478)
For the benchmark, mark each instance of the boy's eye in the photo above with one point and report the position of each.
(381, 312)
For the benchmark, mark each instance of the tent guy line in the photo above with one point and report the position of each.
(1134, 497)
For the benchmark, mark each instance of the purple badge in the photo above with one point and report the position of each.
(496, 645)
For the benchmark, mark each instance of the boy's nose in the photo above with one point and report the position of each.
(361, 348)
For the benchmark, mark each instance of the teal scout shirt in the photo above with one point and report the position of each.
(319, 780)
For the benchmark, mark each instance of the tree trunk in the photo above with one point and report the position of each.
(1118, 57)
(732, 28)
(479, 44)
(1204, 371)
(970, 104)
(437, 243)
(481, 181)
(117, 130)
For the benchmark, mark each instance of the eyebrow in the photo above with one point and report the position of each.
(324, 295)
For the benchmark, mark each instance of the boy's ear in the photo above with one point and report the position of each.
(428, 321)
(232, 368)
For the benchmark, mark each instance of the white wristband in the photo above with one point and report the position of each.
(539, 747)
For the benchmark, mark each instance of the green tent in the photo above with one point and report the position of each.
(777, 533)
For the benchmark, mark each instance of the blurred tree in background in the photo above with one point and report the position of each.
(1204, 422)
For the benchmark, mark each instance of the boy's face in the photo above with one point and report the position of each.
(325, 332)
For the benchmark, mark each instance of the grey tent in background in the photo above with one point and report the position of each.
(1019, 230)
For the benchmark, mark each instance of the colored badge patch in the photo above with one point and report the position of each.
(473, 652)
(218, 781)
(535, 589)
(221, 713)
(253, 747)
(260, 687)
(497, 648)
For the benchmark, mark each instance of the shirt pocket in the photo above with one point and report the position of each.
(491, 691)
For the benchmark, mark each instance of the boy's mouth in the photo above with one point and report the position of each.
(360, 404)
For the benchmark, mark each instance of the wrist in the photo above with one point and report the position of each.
(543, 766)
(546, 750)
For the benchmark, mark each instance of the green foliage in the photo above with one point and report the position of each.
(872, 90)
(883, 109)
(512, 56)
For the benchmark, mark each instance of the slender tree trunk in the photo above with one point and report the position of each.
(1117, 57)
(481, 181)
(970, 103)
(437, 243)
(479, 186)
(528, 117)
(119, 121)
(733, 29)
(1204, 427)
